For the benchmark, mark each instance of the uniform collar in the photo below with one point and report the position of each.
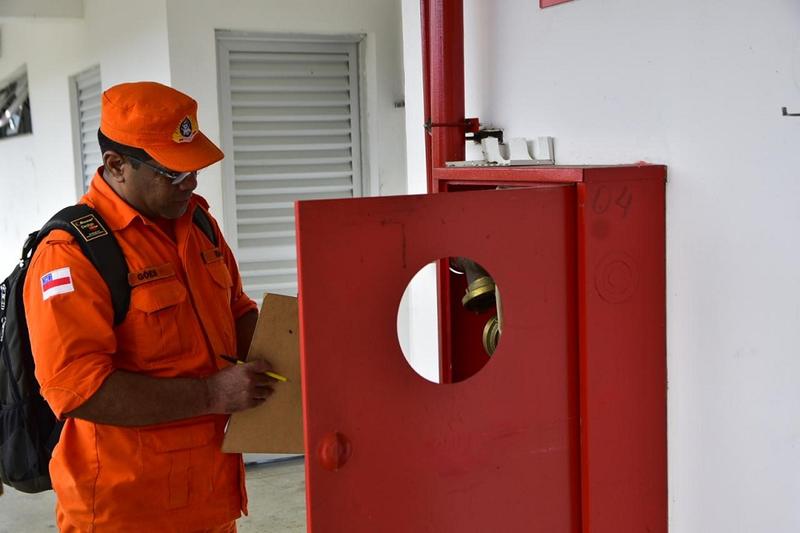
(117, 213)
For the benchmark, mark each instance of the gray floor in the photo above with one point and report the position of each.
(276, 492)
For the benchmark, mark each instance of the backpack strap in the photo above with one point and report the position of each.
(201, 220)
(101, 248)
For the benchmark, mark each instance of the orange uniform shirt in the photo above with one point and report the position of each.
(185, 298)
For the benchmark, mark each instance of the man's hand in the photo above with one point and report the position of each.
(239, 387)
(131, 399)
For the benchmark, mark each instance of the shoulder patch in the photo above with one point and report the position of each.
(89, 227)
(57, 281)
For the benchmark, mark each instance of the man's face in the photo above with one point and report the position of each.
(152, 193)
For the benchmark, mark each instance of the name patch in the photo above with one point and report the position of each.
(214, 254)
(151, 274)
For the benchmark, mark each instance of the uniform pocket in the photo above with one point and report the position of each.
(151, 330)
(155, 297)
(184, 458)
(217, 291)
(220, 274)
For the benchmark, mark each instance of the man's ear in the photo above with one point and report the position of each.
(112, 166)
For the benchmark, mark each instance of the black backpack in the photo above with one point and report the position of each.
(28, 428)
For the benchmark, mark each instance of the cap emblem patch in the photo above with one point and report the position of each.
(185, 131)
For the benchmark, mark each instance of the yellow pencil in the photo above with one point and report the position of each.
(273, 375)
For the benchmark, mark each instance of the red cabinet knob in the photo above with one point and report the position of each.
(334, 450)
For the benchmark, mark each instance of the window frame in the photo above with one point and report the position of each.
(235, 41)
(81, 182)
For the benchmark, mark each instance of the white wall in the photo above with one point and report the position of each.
(41, 8)
(173, 42)
(697, 86)
(193, 67)
(129, 40)
(37, 172)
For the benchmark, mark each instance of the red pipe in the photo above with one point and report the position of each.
(443, 87)
(426, 88)
(443, 82)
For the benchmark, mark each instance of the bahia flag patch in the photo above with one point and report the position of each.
(56, 282)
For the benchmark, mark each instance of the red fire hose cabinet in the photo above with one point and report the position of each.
(562, 429)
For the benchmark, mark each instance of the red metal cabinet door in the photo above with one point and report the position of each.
(391, 452)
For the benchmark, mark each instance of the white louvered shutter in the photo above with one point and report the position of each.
(291, 110)
(86, 92)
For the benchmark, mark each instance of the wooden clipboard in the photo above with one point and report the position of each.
(276, 426)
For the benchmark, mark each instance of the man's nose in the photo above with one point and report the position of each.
(190, 183)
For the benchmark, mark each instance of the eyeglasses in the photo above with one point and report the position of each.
(174, 177)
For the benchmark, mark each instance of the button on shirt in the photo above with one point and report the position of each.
(186, 295)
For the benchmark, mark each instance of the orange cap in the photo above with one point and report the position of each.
(161, 121)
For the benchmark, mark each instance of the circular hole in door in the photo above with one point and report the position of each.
(472, 315)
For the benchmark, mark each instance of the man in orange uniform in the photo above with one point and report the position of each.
(145, 402)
